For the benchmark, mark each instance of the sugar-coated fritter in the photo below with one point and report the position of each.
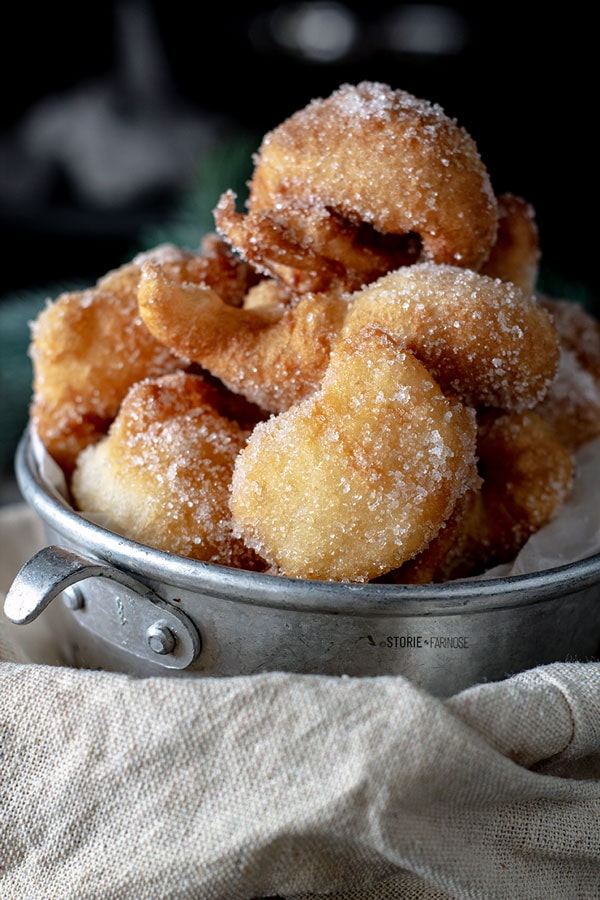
(361, 475)
(161, 475)
(526, 475)
(482, 338)
(572, 404)
(358, 183)
(515, 255)
(351, 380)
(273, 354)
(89, 346)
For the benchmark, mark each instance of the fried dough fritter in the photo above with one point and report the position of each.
(572, 404)
(272, 354)
(526, 475)
(515, 255)
(161, 475)
(361, 475)
(481, 338)
(358, 183)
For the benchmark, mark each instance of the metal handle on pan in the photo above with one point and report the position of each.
(119, 608)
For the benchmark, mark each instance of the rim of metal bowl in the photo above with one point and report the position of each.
(241, 586)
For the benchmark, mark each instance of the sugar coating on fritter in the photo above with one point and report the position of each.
(161, 476)
(273, 354)
(87, 348)
(515, 255)
(572, 404)
(480, 337)
(360, 476)
(526, 474)
(352, 171)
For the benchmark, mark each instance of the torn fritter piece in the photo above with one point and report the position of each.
(356, 185)
(272, 354)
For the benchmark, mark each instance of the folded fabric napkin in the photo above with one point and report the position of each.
(289, 785)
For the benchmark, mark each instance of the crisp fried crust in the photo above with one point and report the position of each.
(273, 354)
(359, 183)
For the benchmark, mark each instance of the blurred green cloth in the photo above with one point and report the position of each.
(16, 312)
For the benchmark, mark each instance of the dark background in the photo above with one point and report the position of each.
(123, 122)
(520, 80)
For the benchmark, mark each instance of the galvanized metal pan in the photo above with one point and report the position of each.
(118, 605)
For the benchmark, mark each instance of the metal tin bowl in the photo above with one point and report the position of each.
(126, 607)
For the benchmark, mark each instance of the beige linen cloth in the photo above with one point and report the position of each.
(292, 786)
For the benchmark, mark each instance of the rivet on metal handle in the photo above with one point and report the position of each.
(113, 606)
(160, 638)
